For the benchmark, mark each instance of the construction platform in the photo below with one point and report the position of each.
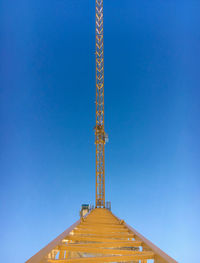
(100, 237)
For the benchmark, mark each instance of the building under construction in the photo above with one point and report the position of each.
(100, 236)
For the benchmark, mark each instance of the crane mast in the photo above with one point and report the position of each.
(100, 135)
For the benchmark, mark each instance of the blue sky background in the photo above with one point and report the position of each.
(47, 156)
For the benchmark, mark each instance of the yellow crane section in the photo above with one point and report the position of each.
(100, 237)
(100, 135)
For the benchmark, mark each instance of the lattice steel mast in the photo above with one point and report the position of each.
(100, 135)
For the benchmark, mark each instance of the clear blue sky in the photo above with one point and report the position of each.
(47, 165)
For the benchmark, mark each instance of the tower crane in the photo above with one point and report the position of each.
(99, 236)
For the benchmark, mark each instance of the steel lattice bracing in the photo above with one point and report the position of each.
(100, 135)
(100, 237)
